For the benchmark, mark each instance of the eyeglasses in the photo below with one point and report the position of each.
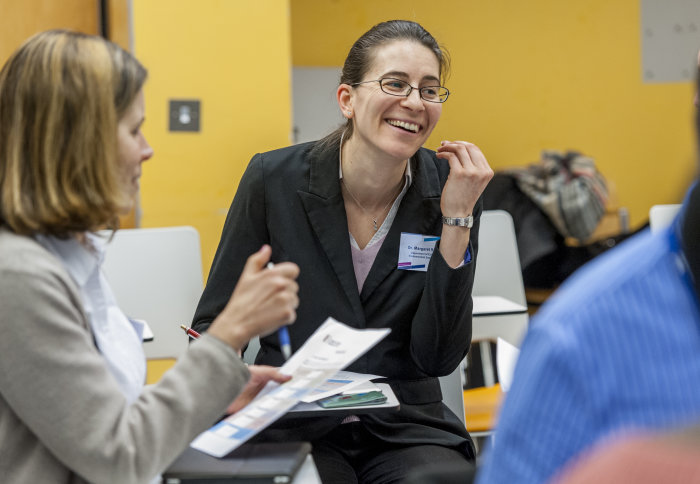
(397, 87)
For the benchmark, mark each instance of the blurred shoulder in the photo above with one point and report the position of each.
(641, 272)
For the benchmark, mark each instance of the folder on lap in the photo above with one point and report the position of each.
(250, 463)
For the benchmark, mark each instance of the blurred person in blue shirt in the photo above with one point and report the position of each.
(615, 351)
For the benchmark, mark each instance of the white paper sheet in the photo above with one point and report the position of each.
(365, 387)
(506, 357)
(341, 382)
(331, 348)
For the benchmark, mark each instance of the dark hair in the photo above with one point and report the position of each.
(361, 55)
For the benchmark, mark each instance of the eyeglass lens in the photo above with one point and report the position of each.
(397, 87)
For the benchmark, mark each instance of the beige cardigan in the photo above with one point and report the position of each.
(63, 418)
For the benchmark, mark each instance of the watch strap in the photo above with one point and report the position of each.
(459, 221)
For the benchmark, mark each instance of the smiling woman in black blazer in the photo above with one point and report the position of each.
(338, 208)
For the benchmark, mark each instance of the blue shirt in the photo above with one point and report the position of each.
(616, 348)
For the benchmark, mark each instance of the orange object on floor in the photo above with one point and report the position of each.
(481, 407)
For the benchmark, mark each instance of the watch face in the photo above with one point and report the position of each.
(458, 221)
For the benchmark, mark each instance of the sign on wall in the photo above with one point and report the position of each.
(670, 33)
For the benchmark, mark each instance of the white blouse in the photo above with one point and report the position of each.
(118, 338)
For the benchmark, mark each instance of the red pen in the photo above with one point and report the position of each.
(190, 332)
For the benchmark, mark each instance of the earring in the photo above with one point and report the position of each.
(348, 112)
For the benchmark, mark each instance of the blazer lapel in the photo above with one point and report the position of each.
(417, 214)
(326, 213)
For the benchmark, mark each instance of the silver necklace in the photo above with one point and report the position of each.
(374, 219)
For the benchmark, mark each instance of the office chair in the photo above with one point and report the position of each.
(156, 275)
(498, 273)
(453, 392)
(661, 216)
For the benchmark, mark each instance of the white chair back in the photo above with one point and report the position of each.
(156, 275)
(453, 392)
(498, 273)
(661, 216)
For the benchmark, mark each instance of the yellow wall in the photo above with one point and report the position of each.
(533, 75)
(235, 57)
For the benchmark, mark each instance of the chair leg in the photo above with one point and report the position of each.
(487, 363)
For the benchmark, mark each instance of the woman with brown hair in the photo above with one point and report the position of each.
(347, 209)
(72, 403)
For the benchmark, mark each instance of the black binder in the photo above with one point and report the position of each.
(275, 463)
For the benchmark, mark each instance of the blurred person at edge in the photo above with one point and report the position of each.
(612, 361)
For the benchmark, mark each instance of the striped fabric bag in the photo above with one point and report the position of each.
(568, 188)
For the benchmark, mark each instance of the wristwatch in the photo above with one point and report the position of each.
(459, 221)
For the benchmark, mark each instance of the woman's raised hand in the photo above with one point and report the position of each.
(469, 175)
(263, 300)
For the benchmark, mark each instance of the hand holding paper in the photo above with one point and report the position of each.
(332, 347)
(260, 375)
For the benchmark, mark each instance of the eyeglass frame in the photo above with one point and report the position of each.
(410, 90)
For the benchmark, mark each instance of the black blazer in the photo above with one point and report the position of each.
(291, 199)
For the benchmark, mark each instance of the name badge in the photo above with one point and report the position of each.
(415, 251)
